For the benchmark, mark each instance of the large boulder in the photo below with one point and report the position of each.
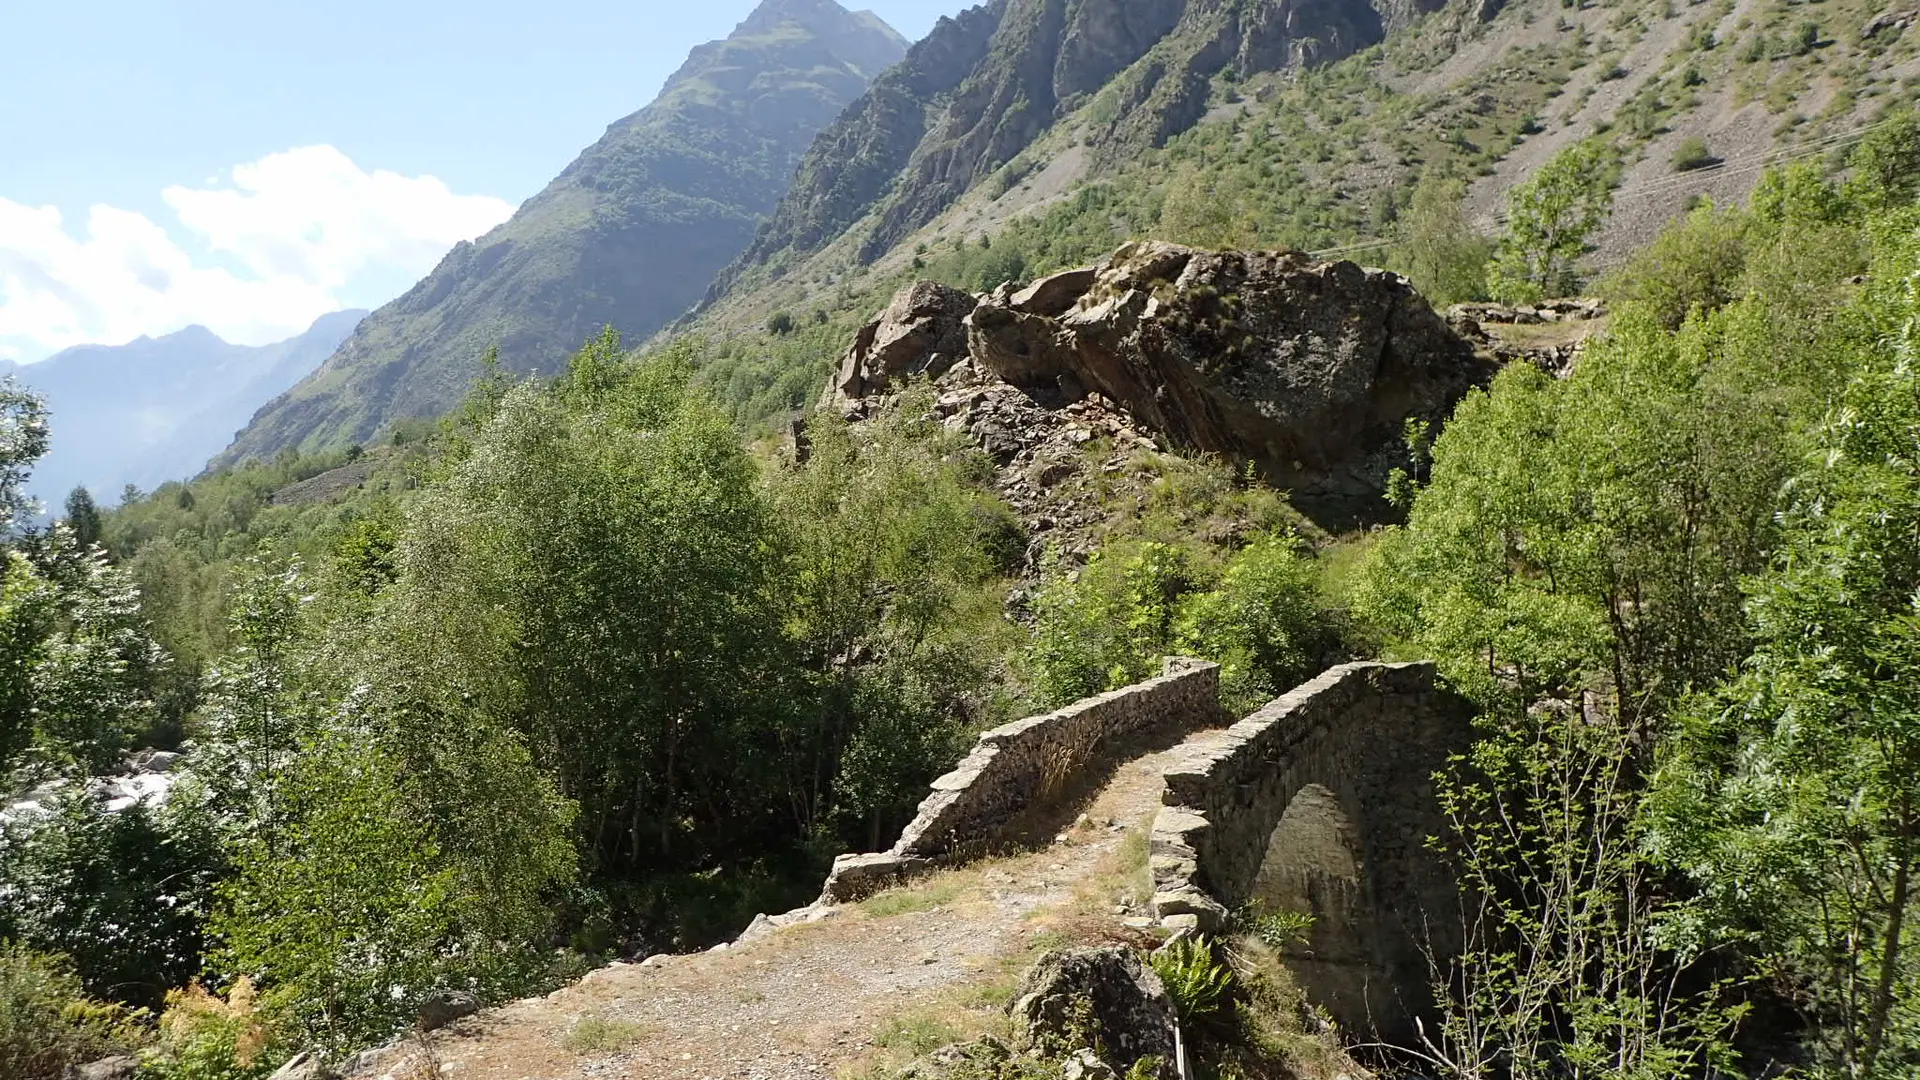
(120, 1067)
(445, 1007)
(1309, 369)
(923, 331)
(1130, 1015)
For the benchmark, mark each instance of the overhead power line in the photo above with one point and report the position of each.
(1800, 152)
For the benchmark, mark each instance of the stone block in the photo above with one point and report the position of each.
(856, 877)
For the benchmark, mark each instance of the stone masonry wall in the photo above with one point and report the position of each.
(1358, 747)
(1026, 767)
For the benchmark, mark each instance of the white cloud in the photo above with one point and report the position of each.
(301, 227)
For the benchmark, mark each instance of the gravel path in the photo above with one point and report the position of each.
(809, 1000)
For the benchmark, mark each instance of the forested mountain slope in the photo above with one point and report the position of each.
(985, 85)
(1408, 144)
(156, 409)
(626, 236)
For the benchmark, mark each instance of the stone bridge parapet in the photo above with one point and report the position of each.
(1019, 772)
(1322, 804)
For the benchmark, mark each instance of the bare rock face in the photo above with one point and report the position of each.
(923, 331)
(303, 1066)
(1128, 1008)
(1308, 369)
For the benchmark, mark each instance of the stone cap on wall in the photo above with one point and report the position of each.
(1031, 764)
(1213, 770)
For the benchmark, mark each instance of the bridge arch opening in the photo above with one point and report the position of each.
(1314, 866)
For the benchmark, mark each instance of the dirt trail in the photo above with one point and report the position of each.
(810, 999)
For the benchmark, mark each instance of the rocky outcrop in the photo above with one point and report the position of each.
(120, 1067)
(445, 1007)
(1107, 989)
(1888, 22)
(855, 160)
(1550, 335)
(303, 1066)
(922, 332)
(1309, 369)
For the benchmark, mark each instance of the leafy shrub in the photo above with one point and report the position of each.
(1806, 38)
(1691, 154)
(1699, 261)
(123, 895)
(1108, 625)
(1275, 929)
(206, 1037)
(348, 905)
(47, 1022)
(1138, 601)
(1262, 623)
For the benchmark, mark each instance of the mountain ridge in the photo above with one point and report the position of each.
(158, 408)
(628, 234)
(926, 133)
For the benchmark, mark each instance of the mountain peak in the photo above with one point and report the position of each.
(813, 15)
(629, 233)
(195, 336)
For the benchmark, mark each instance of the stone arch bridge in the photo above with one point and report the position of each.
(1322, 804)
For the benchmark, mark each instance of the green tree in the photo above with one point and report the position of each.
(1437, 248)
(1206, 206)
(593, 577)
(1886, 164)
(77, 660)
(83, 517)
(1699, 262)
(1596, 529)
(349, 916)
(260, 699)
(123, 894)
(1551, 218)
(1559, 968)
(1792, 794)
(887, 541)
(23, 442)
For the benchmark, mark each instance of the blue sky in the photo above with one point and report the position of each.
(146, 177)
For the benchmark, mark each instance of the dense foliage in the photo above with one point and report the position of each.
(1681, 583)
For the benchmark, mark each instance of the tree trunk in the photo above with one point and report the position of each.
(1890, 952)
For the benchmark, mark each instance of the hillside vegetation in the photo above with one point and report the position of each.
(1403, 154)
(593, 666)
(575, 672)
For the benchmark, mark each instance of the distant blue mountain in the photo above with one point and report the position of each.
(157, 409)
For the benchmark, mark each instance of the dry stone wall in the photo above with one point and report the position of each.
(1018, 772)
(1321, 803)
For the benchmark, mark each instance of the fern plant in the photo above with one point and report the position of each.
(1201, 984)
